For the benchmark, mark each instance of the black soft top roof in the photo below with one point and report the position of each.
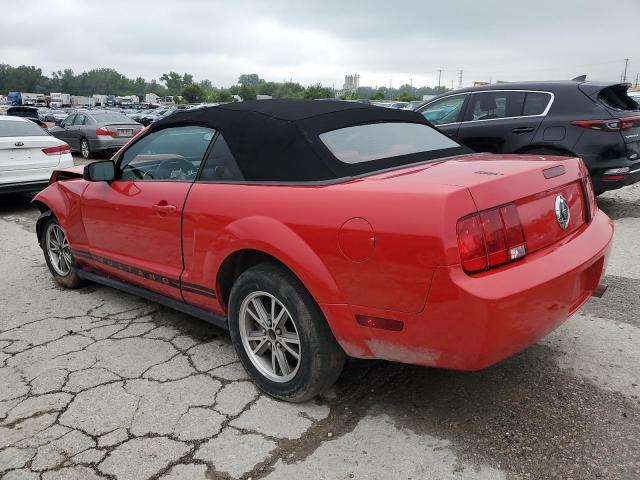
(277, 140)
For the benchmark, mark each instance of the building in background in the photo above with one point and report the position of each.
(351, 83)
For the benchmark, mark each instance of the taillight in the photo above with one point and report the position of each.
(590, 198)
(610, 125)
(106, 131)
(57, 150)
(490, 238)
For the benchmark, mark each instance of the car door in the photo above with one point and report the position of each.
(446, 113)
(75, 132)
(496, 121)
(62, 132)
(204, 227)
(133, 224)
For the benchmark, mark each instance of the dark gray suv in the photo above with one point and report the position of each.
(596, 121)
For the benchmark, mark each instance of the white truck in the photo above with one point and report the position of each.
(80, 101)
(34, 99)
(151, 98)
(128, 100)
(99, 100)
(60, 100)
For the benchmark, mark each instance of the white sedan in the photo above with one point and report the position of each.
(28, 155)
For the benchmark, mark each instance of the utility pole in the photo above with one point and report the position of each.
(451, 84)
(439, 76)
(411, 82)
(637, 74)
(624, 75)
(460, 79)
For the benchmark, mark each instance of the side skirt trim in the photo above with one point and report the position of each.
(219, 321)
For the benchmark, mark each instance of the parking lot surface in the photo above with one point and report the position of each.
(95, 383)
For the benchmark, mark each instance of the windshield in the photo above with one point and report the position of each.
(363, 143)
(20, 129)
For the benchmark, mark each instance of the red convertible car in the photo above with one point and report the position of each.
(315, 230)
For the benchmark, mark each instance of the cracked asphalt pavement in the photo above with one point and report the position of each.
(96, 384)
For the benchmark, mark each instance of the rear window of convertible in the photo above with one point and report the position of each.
(373, 141)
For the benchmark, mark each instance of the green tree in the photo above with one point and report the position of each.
(377, 96)
(247, 93)
(193, 94)
(23, 79)
(174, 82)
(406, 97)
(348, 96)
(318, 91)
(221, 96)
(251, 79)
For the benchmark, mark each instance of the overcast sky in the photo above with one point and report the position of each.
(322, 40)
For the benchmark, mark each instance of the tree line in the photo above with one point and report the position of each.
(109, 81)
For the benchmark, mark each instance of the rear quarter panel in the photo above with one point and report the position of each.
(413, 229)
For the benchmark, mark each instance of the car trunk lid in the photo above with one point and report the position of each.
(123, 130)
(25, 153)
(533, 183)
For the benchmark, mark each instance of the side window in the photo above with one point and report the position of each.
(492, 105)
(80, 120)
(67, 122)
(220, 164)
(173, 154)
(536, 103)
(445, 110)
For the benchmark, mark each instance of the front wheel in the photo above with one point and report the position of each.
(57, 254)
(281, 336)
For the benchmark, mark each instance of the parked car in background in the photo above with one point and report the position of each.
(57, 116)
(28, 155)
(156, 115)
(93, 131)
(596, 121)
(30, 113)
(635, 96)
(399, 105)
(314, 230)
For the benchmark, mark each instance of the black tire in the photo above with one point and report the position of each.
(69, 280)
(86, 153)
(321, 358)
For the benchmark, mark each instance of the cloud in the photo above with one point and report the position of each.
(321, 41)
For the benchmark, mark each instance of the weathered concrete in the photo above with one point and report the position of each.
(95, 383)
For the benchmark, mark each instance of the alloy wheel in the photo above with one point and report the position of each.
(270, 337)
(58, 250)
(85, 149)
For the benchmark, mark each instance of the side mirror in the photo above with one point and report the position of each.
(102, 171)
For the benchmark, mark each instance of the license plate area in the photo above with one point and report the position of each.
(125, 132)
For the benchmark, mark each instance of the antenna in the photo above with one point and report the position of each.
(624, 74)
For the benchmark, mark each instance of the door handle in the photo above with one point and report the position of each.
(452, 135)
(523, 130)
(164, 209)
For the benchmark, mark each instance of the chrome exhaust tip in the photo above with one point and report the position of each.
(599, 291)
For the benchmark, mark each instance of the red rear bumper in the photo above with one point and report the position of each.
(472, 322)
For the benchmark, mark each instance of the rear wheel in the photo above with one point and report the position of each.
(281, 336)
(58, 256)
(85, 149)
